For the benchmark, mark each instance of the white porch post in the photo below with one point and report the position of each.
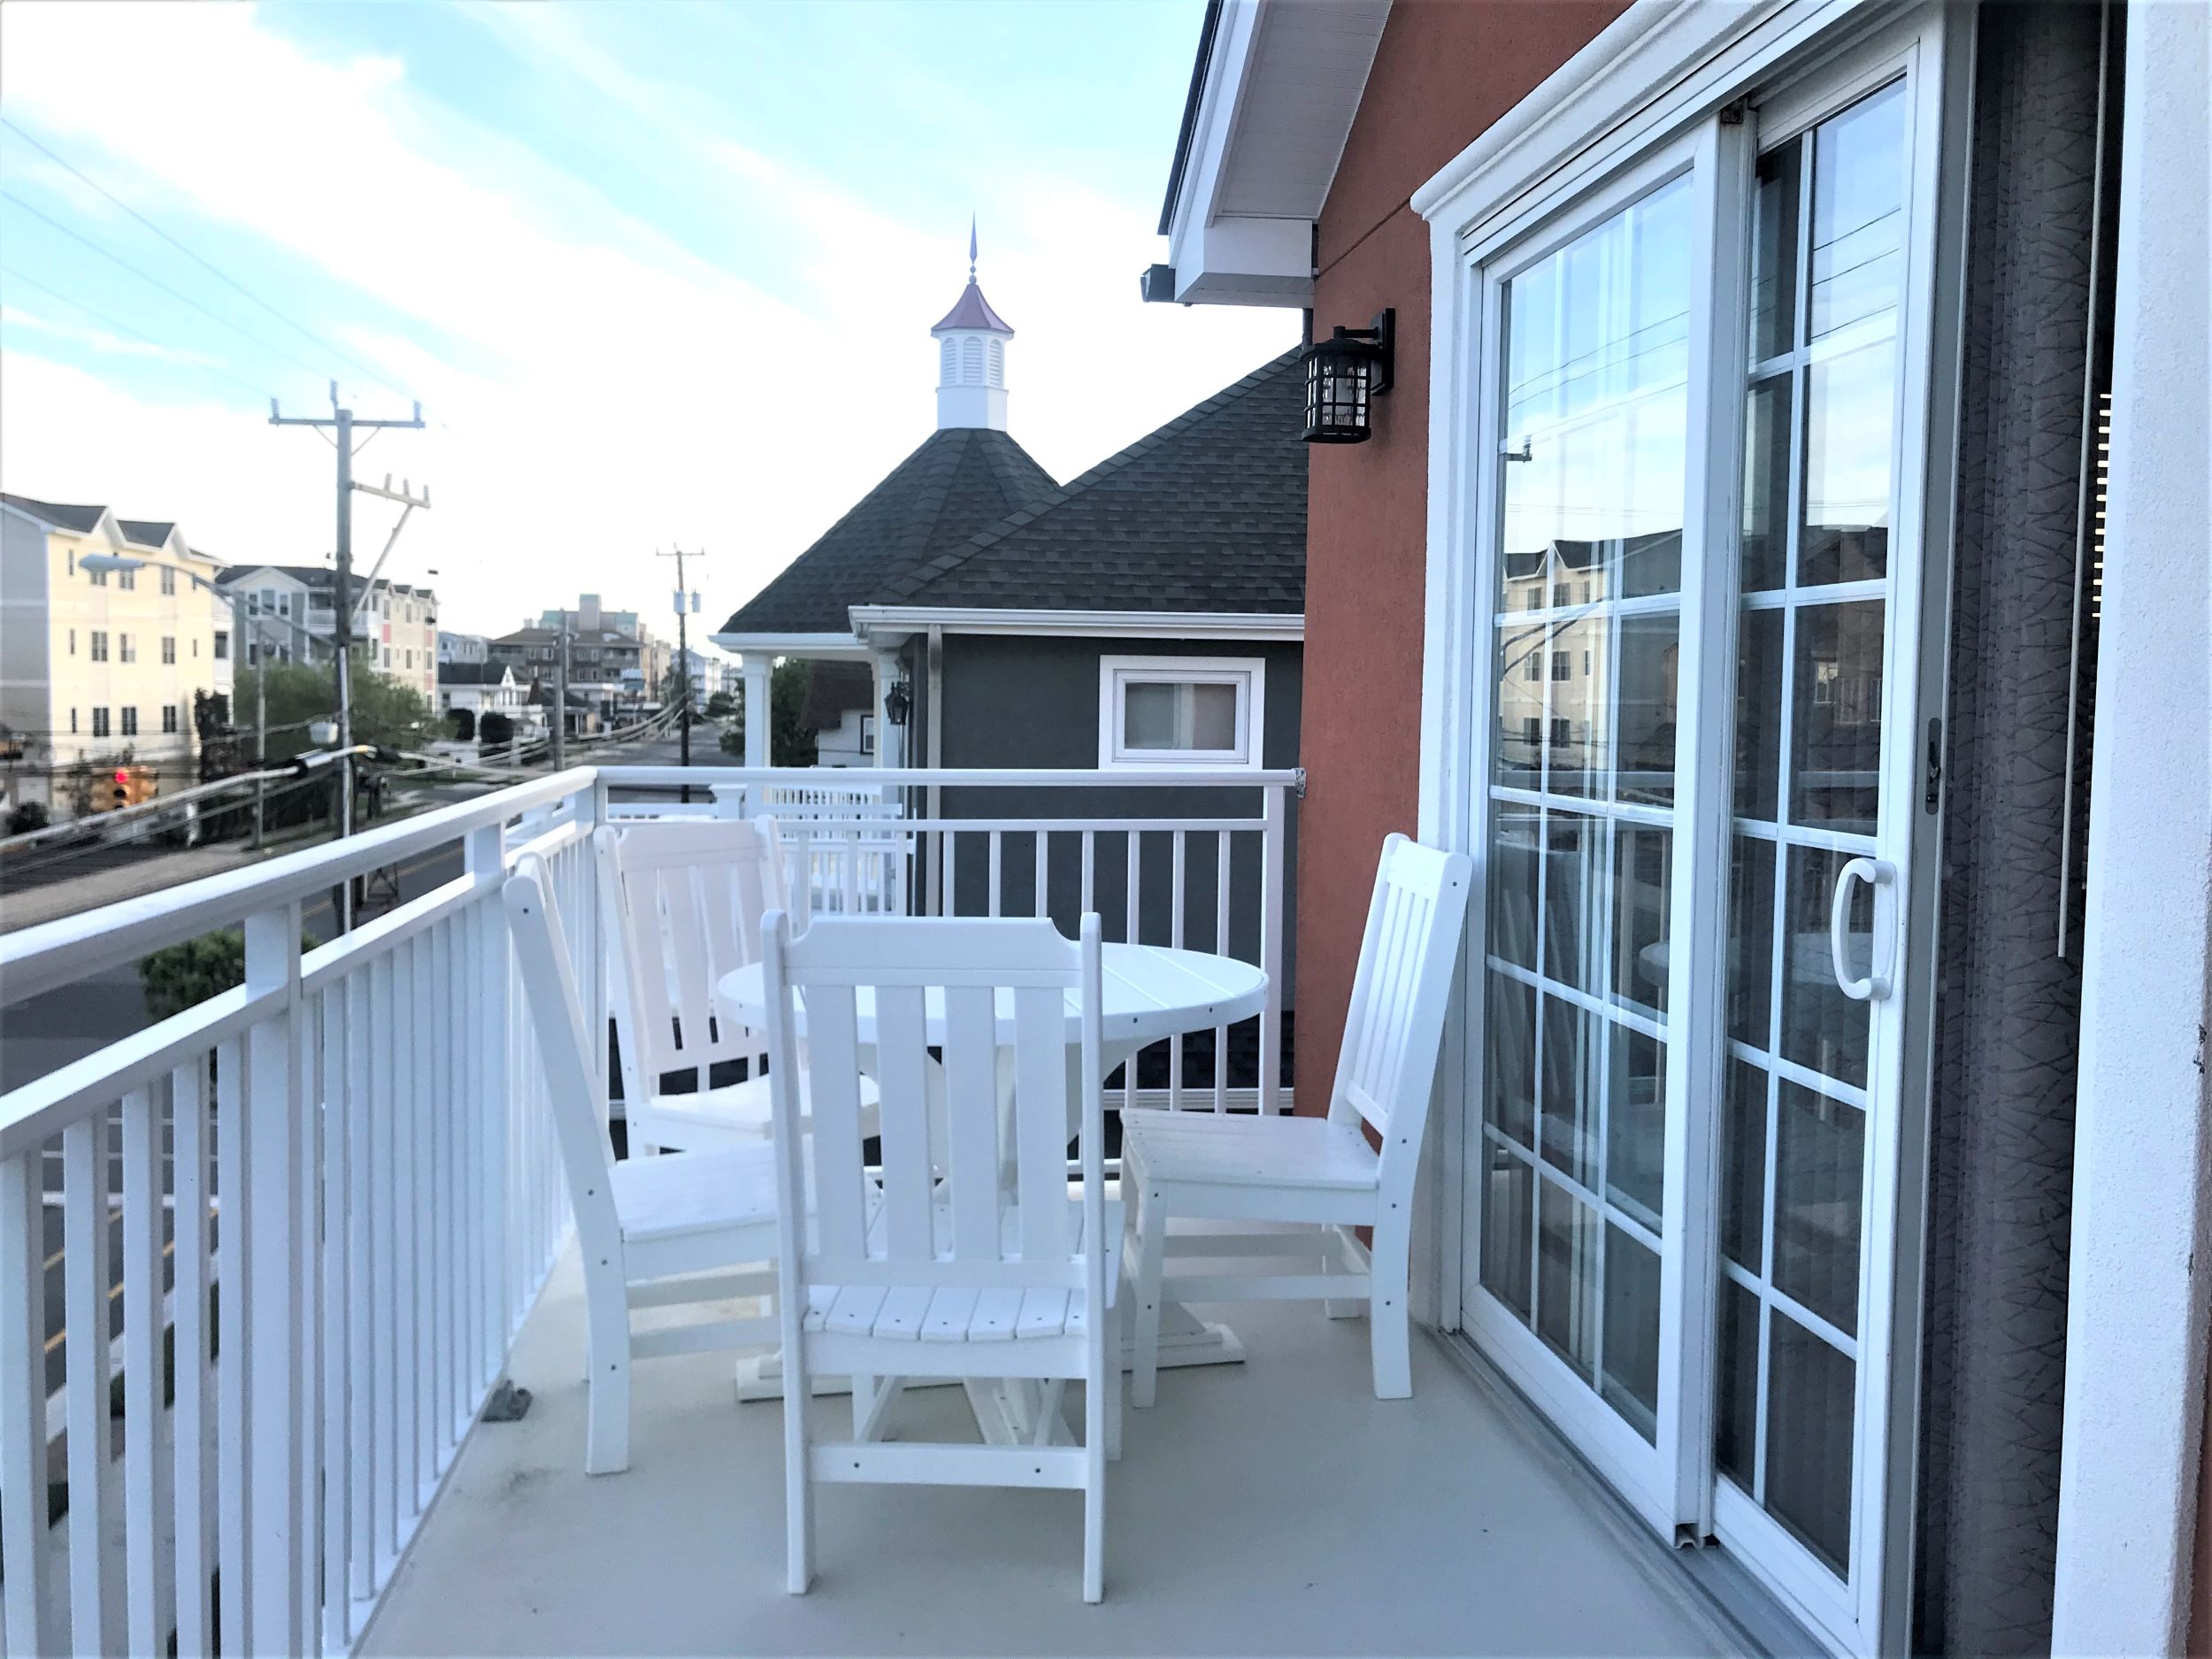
(2142, 1220)
(757, 667)
(889, 739)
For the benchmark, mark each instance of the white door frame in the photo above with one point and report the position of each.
(1559, 157)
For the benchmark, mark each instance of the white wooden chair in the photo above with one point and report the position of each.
(975, 1275)
(1318, 1173)
(684, 901)
(651, 1232)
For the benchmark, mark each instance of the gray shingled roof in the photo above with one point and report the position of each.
(147, 532)
(80, 519)
(833, 687)
(473, 674)
(1206, 514)
(958, 482)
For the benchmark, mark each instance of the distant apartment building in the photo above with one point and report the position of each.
(95, 663)
(463, 648)
(615, 664)
(396, 629)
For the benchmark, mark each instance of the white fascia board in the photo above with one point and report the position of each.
(888, 622)
(1226, 260)
(791, 644)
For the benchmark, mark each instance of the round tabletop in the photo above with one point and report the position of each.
(1150, 992)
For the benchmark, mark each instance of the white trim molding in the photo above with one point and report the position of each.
(875, 622)
(1247, 674)
(793, 645)
(1282, 84)
(2141, 1253)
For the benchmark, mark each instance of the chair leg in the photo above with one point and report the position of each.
(1117, 1345)
(1105, 1373)
(1387, 1326)
(607, 1362)
(1332, 1261)
(798, 1482)
(1151, 1249)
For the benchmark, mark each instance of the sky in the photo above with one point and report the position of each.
(660, 275)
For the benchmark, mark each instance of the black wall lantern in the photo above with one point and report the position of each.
(898, 702)
(1343, 373)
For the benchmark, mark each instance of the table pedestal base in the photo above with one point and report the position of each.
(1185, 1340)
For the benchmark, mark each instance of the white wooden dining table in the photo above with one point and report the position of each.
(1151, 993)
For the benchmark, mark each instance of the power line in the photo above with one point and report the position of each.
(125, 328)
(156, 281)
(200, 260)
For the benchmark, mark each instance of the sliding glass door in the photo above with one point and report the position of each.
(1681, 1176)
(1586, 612)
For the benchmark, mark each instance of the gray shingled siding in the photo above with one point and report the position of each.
(1025, 701)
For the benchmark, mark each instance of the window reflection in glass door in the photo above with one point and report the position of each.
(1582, 827)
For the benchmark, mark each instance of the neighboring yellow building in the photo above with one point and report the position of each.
(95, 663)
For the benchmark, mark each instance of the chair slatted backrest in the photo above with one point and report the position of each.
(556, 1017)
(685, 898)
(1386, 1066)
(1000, 991)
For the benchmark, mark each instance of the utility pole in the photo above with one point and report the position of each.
(560, 701)
(685, 602)
(342, 423)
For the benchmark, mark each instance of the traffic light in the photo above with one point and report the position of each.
(131, 786)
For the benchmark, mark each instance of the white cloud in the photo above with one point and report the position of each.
(612, 393)
(98, 339)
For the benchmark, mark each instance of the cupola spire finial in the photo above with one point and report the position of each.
(971, 247)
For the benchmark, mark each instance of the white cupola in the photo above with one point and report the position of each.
(972, 358)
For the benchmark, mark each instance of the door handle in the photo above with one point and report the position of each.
(1878, 873)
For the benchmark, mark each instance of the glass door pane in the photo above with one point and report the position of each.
(1582, 830)
(1813, 653)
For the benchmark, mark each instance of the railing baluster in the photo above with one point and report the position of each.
(193, 1422)
(994, 835)
(339, 1110)
(233, 1206)
(431, 1034)
(485, 857)
(1135, 841)
(406, 1235)
(1090, 867)
(423, 1353)
(85, 1359)
(145, 1500)
(279, 1346)
(356, 1217)
(387, 1246)
(1272, 842)
(1175, 940)
(1221, 949)
(1040, 905)
(24, 1539)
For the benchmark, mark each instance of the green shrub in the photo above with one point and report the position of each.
(184, 976)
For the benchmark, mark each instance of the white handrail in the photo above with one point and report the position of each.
(73, 947)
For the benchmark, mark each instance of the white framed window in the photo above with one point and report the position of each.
(1180, 710)
(867, 734)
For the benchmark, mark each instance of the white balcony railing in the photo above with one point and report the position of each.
(322, 1202)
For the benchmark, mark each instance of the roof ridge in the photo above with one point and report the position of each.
(921, 575)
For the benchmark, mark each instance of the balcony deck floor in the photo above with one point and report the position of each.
(1274, 1507)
